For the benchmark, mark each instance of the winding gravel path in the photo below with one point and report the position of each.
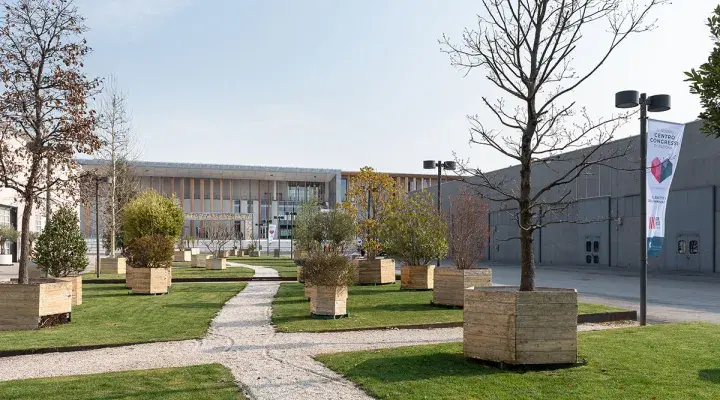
(268, 365)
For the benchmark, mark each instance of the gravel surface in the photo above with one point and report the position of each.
(266, 364)
(259, 271)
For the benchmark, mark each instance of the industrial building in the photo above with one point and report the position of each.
(605, 200)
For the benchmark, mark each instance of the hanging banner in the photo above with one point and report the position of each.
(271, 233)
(663, 152)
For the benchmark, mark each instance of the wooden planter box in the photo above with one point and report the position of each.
(199, 260)
(194, 251)
(113, 265)
(216, 263)
(377, 271)
(254, 254)
(222, 254)
(417, 277)
(76, 282)
(503, 324)
(329, 301)
(450, 284)
(182, 256)
(151, 280)
(24, 306)
(129, 277)
(309, 291)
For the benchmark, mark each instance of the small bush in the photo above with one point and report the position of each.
(155, 251)
(7, 234)
(152, 214)
(331, 269)
(60, 248)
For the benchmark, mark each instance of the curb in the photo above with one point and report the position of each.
(202, 280)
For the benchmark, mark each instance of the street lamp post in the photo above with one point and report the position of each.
(291, 216)
(656, 103)
(448, 166)
(97, 223)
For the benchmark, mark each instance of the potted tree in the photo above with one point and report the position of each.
(305, 243)
(328, 269)
(60, 251)
(113, 264)
(149, 217)
(8, 234)
(368, 198)
(218, 235)
(415, 233)
(183, 253)
(192, 244)
(467, 239)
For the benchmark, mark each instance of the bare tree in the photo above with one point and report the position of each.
(468, 233)
(218, 235)
(118, 148)
(527, 47)
(43, 106)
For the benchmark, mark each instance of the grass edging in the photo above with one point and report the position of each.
(202, 280)
(68, 349)
(595, 318)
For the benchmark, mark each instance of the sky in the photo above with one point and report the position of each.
(343, 84)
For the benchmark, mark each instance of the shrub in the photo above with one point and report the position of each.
(60, 248)
(251, 248)
(302, 232)
(7, 234)
(414, 232)
(154, 251)
(469, 229)
(328, 269)
(151, 214)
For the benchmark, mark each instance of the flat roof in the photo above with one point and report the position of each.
(224, 171)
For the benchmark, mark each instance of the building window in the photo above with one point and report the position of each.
(588, 246)
(596, 246)
(693, 247)
(343, 189)
(38, 224)
(681, 247)
(4, 216)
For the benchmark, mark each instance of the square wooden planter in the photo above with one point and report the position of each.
(216, 263)
(329, 302)
(450, 284)
(222, 254)
(417, 277)
(151, 280)
(113, 265)
(26, 307)
(199, 260)
(377, 271)
(182, 256)
(194, 251)
(503, 324)
(76, 282)
(309, 291)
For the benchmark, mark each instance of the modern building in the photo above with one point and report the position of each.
(606, 202)
(248, 197)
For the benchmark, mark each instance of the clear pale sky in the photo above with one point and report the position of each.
(341, 84)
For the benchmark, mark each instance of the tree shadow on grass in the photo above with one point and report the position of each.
(396, 307)
(420, 367)
(711, 375)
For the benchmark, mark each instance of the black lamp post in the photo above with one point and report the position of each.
(656, 103)
(259, 225)
(291, 216)
(448, 166)
(98, 179)
(278, 218)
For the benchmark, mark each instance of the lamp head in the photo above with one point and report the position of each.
(428, 164)
(627, 99)
(659, 103)
(450, 165)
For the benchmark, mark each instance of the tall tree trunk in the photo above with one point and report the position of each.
(25, 241)
(48, 211)
(527, 257)
(112, 204)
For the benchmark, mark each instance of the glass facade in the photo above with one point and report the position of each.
(306, 191)
(343, 189)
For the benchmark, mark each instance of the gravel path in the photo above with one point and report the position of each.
(268, 365)
(263, 272)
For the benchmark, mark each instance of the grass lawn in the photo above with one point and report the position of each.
(110, 315)
(284, 266)
(371, 307)
(185, 271)
(211, 381)
(677, 361)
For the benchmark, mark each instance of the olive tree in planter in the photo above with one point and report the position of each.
(305, 242)
(151, 215)
(526, 49)
(8, 234)
(60, 251)
(218, 235)
(415, 233)
(369, 196)
(467, 239)
(183, 253)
